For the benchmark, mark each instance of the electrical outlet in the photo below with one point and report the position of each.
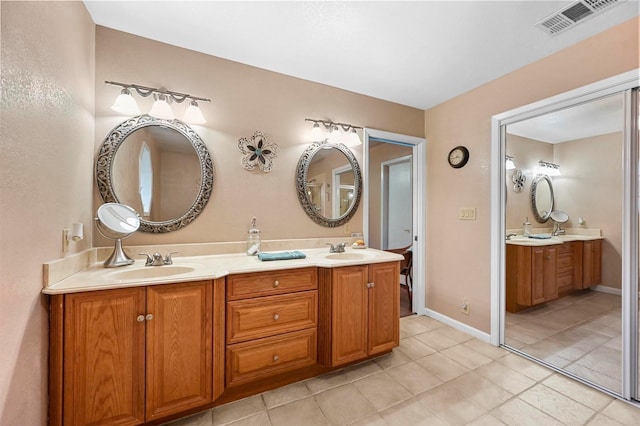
(65, 240)
(466, 307)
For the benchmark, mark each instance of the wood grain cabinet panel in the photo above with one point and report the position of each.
(592, 263)
(531, 276)
(257, 284)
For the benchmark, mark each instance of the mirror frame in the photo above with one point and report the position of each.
(302, 176)
(534, 187)
(109, 148)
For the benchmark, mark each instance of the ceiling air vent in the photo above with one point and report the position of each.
(569, 16)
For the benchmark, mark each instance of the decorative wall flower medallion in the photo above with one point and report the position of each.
(257, 152)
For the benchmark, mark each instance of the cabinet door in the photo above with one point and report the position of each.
(104, 357)
(543, 274)
(349, 301)
(179, 347)
(384, 307)
(592, 263)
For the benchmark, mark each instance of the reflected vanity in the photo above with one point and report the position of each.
(329, 183)
(161, 168)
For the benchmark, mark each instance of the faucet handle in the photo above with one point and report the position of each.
(168, 260)
(332, 249)
(340, 247)
(149, 258)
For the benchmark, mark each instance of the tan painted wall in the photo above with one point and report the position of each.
(245, 99)
(458, 252)
(46, 137)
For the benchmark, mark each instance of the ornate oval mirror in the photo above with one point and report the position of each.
(542, 198)
(161, 168)
(329, 183)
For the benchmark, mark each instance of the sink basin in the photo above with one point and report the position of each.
(151, 272)
(349, 256)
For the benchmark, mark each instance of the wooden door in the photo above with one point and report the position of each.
(384, 307)
(592, 263)
(104, 357)
(349, 301)
(179, 347)
(543, 274)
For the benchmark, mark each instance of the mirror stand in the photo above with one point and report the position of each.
(118, 257)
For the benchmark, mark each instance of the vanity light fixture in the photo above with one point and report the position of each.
(510, 165)
(344, 133)
(547, 168)
(126, 104)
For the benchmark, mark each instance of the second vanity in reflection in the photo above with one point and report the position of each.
(542, 270)
(147, 350)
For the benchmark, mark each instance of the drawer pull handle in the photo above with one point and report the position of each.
(140, 318)
(276, 358)
(276, 283)
(149, 317)
(276, 317)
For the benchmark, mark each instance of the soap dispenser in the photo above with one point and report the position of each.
(253, 239)
(526, 227)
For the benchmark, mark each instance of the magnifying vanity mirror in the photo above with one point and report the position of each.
(161, 168)
(542, 198)
(117, 222)
(329, 183)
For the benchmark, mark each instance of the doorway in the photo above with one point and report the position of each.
(580, 321)
(409, 153)
(397, 202)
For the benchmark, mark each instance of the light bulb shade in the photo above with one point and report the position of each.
(352, 138)
(317, 134)
(510, 165)
(161, 109)
(193, 114)
(335, 136)
(125, 104)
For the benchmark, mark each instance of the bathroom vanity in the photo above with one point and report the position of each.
(135, 346)
(542, 270)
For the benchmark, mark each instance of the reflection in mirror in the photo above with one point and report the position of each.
(329, 183)
(564, 306)
(542, 198)
(160, 168)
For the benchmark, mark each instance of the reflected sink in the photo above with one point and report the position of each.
(151, 272)
(349, 256)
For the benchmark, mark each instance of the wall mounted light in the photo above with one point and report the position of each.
(547, 168)
(161, 108)
(336, 132)
(509, 163)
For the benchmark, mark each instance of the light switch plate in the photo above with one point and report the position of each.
(467, 213)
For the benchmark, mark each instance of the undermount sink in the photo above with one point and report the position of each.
(349, 256)
(151, 272)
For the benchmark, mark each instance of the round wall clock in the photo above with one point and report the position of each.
(458, 157)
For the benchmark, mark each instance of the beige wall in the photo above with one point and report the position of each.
(245, 99)
(46, 136)
(458, 252)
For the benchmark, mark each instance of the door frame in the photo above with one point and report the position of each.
(335, 192)
(419, 176)
(384, 196)
(624, 82)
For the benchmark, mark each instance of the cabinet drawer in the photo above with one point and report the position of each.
(267, 316)
(565, 262)
(270, 356)
(243, 286)
(565, 281)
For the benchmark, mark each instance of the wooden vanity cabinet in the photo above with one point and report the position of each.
(359, 312)
(569, 267)
(531, 276)
(271, 324)
(592, 263)
(132, 355)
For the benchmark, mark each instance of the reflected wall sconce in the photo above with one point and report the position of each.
(547, 168)
(510, 165)
(126, 104)
(343, 133)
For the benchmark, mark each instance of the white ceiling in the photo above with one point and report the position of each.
(418, 53)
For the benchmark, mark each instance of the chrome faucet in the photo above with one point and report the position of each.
(157, 260)
(338, 248)
(513, 234)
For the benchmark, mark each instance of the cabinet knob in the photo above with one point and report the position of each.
(149, 317)
(369, 285)
(276, 317)
(276, 283)
(276, 358)
(140, 318)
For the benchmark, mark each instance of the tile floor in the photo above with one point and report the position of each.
(437, 376)
(580, 333)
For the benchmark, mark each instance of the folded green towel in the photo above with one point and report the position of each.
(283, 255)
(540, 236)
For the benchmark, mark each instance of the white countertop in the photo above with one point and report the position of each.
(519, 240)
(195, 268)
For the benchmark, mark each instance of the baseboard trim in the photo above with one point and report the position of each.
(481, 335)
(605, 289)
